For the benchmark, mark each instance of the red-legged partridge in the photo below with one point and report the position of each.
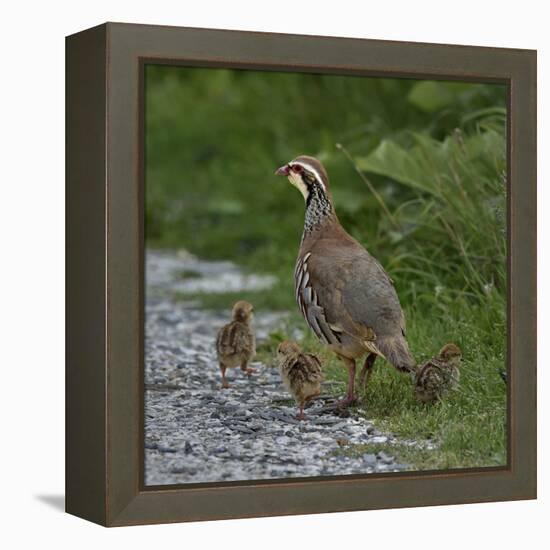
(236, 344)
(344, 294)
(301, 373)
(438, 375)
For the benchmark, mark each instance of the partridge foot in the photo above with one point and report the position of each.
(339, 405)
(347, 402)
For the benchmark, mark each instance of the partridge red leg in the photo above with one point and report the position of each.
(247, 370)
(350, 398)
(366, 371)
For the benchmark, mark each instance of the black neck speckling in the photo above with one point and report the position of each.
(318, 208)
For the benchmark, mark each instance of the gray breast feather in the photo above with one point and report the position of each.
(353, 283)
(374, 304)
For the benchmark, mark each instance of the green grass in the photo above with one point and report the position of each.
(418, 176)
(420, 457)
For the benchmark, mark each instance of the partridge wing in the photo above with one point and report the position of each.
(312, 309)
(361, 293)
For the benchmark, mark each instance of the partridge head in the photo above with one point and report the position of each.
(242, 312)
(451, 354)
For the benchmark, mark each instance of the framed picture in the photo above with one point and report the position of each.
(301, 274)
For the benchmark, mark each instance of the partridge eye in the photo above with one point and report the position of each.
(297, 168)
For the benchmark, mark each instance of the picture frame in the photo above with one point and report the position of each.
(105, 272)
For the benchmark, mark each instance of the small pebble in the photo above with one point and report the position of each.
(370, 459)
(384, 458)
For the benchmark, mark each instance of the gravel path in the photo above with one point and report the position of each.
(194, 431)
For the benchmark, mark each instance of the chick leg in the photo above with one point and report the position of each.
(225, 384)
(311, 398)
(366, 371)
(301, 415)
(305, 403)
(246, 369)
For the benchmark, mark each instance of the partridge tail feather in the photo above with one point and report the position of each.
(396, 351)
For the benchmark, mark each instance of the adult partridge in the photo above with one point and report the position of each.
(343, 292)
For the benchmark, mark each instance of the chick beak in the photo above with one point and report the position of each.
(283, 170)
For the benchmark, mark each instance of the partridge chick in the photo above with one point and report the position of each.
(343, 292)
(438, 375)
(301, 373)
(236, 344)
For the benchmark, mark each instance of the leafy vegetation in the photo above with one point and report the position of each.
(418, 176)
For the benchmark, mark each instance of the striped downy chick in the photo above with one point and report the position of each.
(301, 373)
(438, 375)
(236, 343)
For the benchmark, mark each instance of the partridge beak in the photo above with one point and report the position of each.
(283, 170)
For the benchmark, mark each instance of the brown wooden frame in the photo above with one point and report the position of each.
(104, 185)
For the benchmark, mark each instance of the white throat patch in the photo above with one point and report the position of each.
(298, 182)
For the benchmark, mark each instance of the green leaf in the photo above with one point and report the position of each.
(349, 200)
(429, 163)
(482, 113)
(391, 160)
(430, 96)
